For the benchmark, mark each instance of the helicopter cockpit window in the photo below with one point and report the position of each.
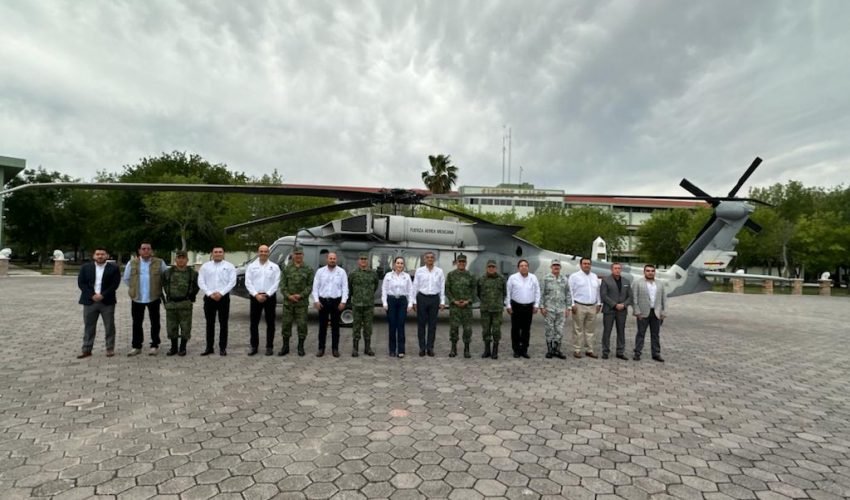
(279, 254)
(519, 251)
(382, 262)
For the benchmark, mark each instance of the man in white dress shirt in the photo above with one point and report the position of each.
(330, 293)
(584, 288)
(429, 286)
(216, 279)
(522, 301)
(262, 278)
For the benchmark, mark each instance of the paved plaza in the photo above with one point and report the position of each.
(753, 402)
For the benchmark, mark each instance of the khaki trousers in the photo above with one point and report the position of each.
(584, 326)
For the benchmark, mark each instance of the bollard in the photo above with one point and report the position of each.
(825, 287)
(737, 285)
(58, 267)
(797, 286)
(4, 267)
(768, 287)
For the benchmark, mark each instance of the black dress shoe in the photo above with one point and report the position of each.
(320, 353)
(335, 353)
(222, 352)
(604, 356)
(620, 356)
(636, 357)
(207, 352)
(421, 353)
(269, 351)
(84, 354)
(430, 353)
(516, 354)
(525, 355)
(658, 358)
(252, 352)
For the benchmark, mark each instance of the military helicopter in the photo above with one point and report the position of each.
(385, 237)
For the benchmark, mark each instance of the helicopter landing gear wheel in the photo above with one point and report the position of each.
(346, 318)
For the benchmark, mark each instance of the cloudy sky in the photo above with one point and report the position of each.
(600, 96)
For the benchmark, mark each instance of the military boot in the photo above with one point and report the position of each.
(453, 352)
(301, 347)
(284, 350)
(494, 354)
(557, 351)
(486, 349)
(549, 350)
(367, 347)
(182, 350)
(173, 350)
(354, 352)
(466, 353)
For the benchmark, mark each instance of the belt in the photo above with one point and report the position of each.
(399, 296)
(330, 298)
(428, 294)
(583, 304)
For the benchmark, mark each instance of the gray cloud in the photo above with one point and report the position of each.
(614, 96)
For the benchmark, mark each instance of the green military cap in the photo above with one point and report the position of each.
(556, 262)
(182, 253)
(298, 250)
(491, 262)
(364, 255)
(460, 258)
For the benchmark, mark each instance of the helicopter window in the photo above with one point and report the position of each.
(519, 251)
(278, 254)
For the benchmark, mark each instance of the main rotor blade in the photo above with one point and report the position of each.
(752, 168)
(350, 205)
(256, 189)
(459, 214)
(753, 226)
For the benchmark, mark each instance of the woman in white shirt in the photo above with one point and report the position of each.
(397, 298)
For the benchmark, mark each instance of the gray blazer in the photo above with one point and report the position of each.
(640, 299)
(611, 295)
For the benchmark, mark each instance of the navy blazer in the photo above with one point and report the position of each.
(110, 283)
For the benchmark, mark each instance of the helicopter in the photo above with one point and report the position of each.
(385, 237)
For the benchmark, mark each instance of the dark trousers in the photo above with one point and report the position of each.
(396, 316)
(137, 312)
(427, 309)
(330, 310)
(222, 308)
(521, 326)
(258, 309)
(90, 315)
(654, 325)
(609, 319)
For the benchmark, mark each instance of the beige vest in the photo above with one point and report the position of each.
(155, 278)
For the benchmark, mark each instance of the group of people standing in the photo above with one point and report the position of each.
(329, 289)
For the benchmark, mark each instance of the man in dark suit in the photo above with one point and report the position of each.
(98, 282)
(616, 294)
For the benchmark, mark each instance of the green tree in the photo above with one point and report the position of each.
(41, 220)
(190, 214)
(573, 231)
(442, 176)
(664, 237)
(823, 241)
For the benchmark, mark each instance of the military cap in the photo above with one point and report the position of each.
(182, 253)
(364, 255)
(460, 258)
(491, 262)
(298, 250)
(556, 262)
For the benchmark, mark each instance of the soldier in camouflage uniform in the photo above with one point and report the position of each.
(554, 306)
(491, 294)
(296, 284)
(362, 284)
(179, 290)
(460, 294)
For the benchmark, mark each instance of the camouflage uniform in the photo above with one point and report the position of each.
(555, 298)
(362, 284)
(460, 285)
(492, 289)
(295, 280)
(179, 289)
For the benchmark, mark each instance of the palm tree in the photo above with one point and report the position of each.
(442, 176)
